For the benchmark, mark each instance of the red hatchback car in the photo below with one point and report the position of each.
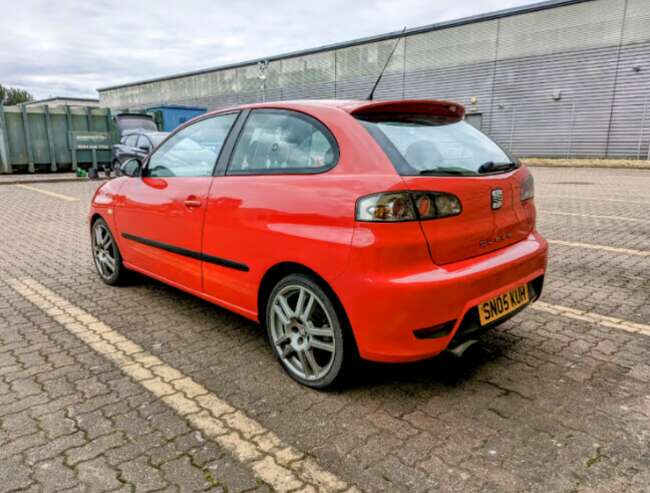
(387, 230)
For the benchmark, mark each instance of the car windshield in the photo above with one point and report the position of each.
(430, 145)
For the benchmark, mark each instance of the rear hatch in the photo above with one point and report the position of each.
(478, 229)
(133, 121)
(435, 150)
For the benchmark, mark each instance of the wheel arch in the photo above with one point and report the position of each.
(97, 215)
(109, 222)
(277, 272)
(94, 217)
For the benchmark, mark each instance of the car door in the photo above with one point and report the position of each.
(127, 150)
(160, 213)
(143, 146)
(265, 207)
(118, 149)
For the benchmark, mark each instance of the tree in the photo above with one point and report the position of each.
(12, 95)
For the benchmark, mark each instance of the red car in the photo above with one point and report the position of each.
(387, 230)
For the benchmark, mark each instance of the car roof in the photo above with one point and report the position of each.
(355, 107)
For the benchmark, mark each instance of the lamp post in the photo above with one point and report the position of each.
(263, 67)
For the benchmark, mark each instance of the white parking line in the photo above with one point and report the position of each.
(605, 321)
(281, 466)
(591, 246)
(47, 192)
(618, 218)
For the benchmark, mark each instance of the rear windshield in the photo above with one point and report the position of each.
(157, 138)
(420, 144)
(132, 122)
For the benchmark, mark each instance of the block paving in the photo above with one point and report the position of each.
(546, 402)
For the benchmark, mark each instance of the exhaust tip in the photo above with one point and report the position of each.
(461, 348)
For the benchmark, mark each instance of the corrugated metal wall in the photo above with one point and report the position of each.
(568, 81)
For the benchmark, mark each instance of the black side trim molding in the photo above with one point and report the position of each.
(188, 253)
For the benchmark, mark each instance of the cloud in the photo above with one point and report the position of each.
(71, 48)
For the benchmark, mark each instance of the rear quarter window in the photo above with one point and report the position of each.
(282, 141)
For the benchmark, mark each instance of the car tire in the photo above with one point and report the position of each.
(305, 332)
(106, 255)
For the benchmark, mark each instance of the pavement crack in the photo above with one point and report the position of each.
(505, 391)
(498, 413)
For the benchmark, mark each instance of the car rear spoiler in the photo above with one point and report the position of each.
(418, 106)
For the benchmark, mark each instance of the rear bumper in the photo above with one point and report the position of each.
(386, 311)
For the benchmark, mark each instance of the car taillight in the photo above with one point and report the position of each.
(407, 206)
(388, 207)
(527, 189)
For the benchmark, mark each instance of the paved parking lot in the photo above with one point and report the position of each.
(146, 388)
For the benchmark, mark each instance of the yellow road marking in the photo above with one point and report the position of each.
(627, 251)
(278, 464)
(618, 218)
(595, 318)
(47, 192)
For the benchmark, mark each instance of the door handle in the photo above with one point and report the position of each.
(192, 203)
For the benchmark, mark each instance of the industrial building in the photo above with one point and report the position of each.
(61, 101)
(561, 78)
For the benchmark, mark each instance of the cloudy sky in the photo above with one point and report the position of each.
(68, 47)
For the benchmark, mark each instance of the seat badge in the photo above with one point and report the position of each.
(497, 198)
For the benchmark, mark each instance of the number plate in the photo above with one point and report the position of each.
(501, 305)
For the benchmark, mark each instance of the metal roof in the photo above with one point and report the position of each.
(64, 98)
(524, 9)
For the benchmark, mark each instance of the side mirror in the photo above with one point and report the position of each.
(131, 168)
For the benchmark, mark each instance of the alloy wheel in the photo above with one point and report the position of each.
(104, 251)
(302, 333)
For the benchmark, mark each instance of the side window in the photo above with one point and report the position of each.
(123, 141)
(280, 141)
(192, 151)
(131, 140)
(144, 142)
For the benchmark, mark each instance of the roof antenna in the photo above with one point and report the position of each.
(372, 93)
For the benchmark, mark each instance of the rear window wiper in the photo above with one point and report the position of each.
(490, 166)
(446, 171)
